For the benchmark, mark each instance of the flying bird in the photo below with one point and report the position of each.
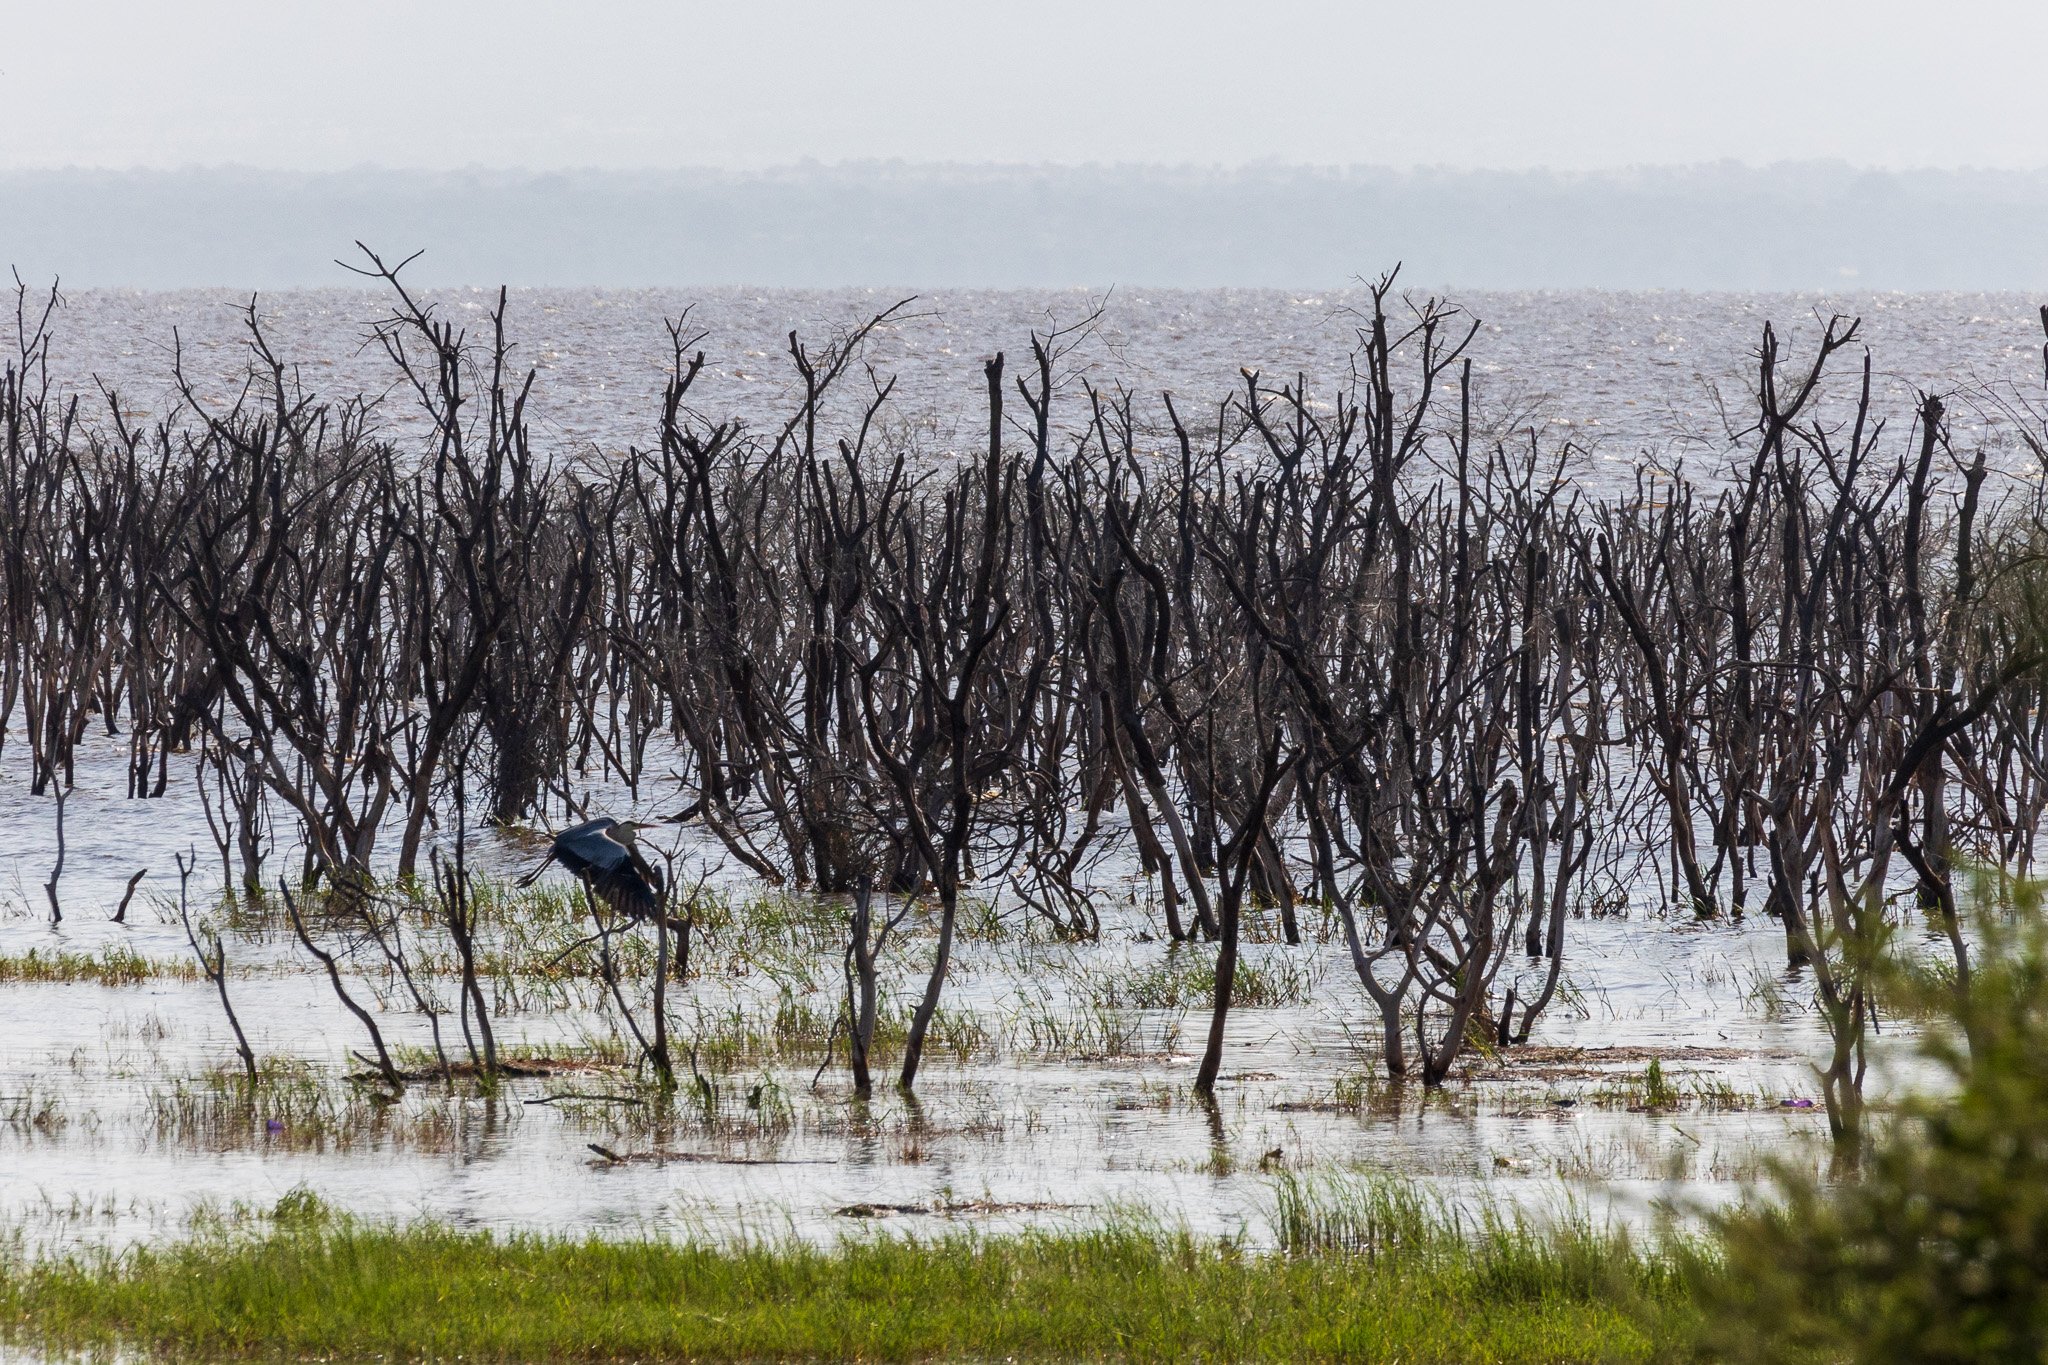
(605, 856)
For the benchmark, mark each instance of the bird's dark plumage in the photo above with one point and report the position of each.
(603, 855)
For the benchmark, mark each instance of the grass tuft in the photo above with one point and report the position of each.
(115, 965)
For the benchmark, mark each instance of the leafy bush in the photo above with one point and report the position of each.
(1939, 1251)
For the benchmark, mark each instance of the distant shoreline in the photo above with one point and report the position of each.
(1805, 226)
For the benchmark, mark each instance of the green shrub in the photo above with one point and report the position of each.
(1938, 1250)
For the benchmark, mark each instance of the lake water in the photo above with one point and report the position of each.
(1619, 373)
(1029, 1123)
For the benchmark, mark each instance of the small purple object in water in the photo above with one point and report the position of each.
(274, 1125)
(1795, 1104)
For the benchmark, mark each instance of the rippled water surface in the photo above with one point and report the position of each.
(1621, 372)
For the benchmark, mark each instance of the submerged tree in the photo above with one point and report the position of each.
(1343, 659)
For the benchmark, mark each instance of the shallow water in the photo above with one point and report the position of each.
(1012, 1128)
(1021, 1130)
(1015, 1133)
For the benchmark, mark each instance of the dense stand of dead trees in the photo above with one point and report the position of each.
(1341, 656)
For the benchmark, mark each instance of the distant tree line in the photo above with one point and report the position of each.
(1793, 226)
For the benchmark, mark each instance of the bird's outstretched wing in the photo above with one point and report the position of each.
(572, 849)
(627, 892)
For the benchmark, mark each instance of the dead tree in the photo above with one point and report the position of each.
(948, 692)
(213, 961)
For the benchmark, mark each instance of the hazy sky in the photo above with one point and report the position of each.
(1570, 84)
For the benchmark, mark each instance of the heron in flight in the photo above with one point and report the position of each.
(604, 854)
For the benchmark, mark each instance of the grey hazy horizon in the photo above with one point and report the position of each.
(1805, 226)
(1746, 144)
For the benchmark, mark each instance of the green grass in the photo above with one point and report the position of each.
(1186, 979)
(311, 1287)
(114, 965)
(295, 1106)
